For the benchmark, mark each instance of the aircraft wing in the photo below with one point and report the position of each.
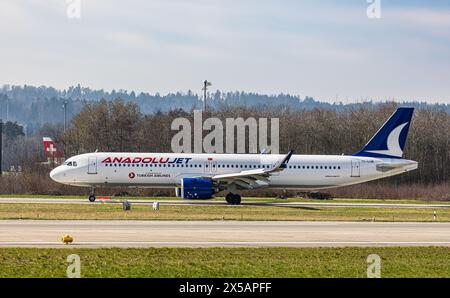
(251, 179)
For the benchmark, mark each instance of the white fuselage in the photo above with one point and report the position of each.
(161, 170)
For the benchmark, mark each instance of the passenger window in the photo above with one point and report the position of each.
(69, 164)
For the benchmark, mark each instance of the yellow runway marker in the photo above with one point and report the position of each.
(67, 239)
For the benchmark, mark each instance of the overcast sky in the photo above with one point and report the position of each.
(325, 49)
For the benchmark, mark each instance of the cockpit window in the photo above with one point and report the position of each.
(71, 163)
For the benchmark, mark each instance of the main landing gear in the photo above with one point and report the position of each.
(233, 199)
(92, 195)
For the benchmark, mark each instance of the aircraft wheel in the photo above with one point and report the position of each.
(233, 199)
(92, 198)
(237, 199)
(229, 198)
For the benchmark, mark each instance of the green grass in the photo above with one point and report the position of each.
(227, 262)
(249, 199)
(220, 212)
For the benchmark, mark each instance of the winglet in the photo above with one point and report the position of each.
(282, 164)
(265, 151)
(288, 156)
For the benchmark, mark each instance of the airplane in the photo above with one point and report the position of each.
(201, 176)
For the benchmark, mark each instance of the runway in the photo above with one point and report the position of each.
(100, 233)
(248, 202)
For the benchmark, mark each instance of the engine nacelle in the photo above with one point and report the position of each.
(196, 189)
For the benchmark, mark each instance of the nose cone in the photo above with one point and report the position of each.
(56, 174)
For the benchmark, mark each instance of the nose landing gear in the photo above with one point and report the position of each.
(233, 199)
(92, 195)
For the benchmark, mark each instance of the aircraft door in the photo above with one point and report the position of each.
(210, 167)
(92, 165)
(356, 168)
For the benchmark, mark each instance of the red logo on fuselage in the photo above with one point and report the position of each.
(178, 160)
(131, 175)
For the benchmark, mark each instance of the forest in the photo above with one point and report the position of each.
(119, 125)
(34, 107)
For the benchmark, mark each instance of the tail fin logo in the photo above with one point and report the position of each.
(393, 143)
(390, 139)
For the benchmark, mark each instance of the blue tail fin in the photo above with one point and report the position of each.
(390, 139)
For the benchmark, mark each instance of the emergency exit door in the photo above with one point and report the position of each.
(210, 167)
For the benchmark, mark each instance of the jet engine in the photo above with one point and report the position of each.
(196, 189)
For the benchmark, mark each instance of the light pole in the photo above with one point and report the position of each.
(206, 84)
(7, 108)
(65, 114)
